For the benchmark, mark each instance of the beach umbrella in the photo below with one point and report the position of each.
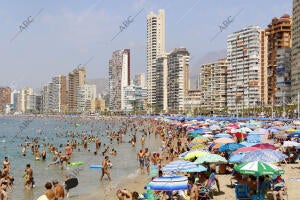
(246, 129)
(216, 146)
(222, 135)
(273, 130)
(197, 131)
(240, 135)
(294, 135)
(291, 130)
(210, 158)
(215, 127)
(247, 144)
(169, 183)
(224, 140)
(178, 166)
(290, 144)
(198, 140)
(236, 158)
(254, 138)
(230, 147)
(257, 169)
(194, 154)
(199, 168)
(197, 146)
(245, 149)
(264, 155)
(265, 146)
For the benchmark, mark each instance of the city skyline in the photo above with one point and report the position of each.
(65, 35)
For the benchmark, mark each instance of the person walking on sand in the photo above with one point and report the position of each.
(105, 168)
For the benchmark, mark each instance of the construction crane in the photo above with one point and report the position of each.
(89, 60)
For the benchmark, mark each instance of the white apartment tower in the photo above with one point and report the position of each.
(155, 48)
(119, 77)
(212, 81)
(162, 83)
(177, 79)
(246, 71)
(85, 95)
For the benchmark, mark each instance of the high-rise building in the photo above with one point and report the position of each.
(15, 100)
(178, 79)
(283, 77)
(134, 98)
(213, 85)
(279, 37)
(246, 69)
(76, 79)
(193, 101)
(85, 95)
(54, 95)
(155, 48)
(26, 100)
(162, 83)
(5, 97)
(139, 80)
(296, 48)
(119, 77)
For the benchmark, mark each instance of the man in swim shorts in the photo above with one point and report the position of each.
(105, 168)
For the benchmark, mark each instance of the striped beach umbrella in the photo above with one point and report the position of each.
(169, 183)
(258, 168)
(178, 166)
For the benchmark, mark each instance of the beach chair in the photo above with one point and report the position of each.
(207, 192)
(242, 192)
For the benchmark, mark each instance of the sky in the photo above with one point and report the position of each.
(57, 36)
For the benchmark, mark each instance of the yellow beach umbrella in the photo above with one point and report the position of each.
(194, 154)
(198, 146)
(199, 140)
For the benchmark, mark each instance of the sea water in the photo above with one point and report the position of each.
(54, 131)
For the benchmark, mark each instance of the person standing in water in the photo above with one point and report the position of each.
(28, 177)
(140, 158)
(105, 168)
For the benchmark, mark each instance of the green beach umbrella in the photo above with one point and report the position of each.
(210, 158)
(258, 168)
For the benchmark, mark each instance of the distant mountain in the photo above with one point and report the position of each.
(101, 85)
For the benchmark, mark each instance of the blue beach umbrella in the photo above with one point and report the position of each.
(294, 135)
(179, 166)
(248, 144)
(199, 168)
(254, 138)
(169, 183)
(222, 135)
(196, 131)
(264, 155)
(236, 158)
(230, 147)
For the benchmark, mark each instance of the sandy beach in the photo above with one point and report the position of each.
(227, 192)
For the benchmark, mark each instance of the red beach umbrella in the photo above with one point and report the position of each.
(264, 146)
(245, 149)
